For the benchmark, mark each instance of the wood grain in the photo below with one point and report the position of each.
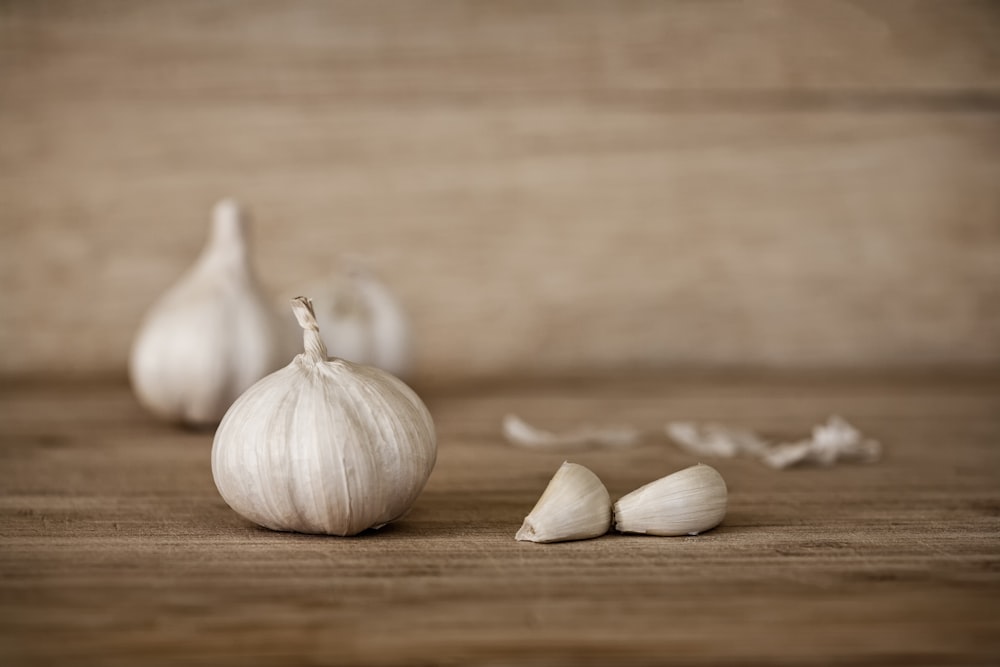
(310, 49)
(551, 187)
(116, 548)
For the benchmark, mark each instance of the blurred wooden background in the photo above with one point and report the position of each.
(551, 187)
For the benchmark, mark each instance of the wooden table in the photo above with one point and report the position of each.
(117, 550)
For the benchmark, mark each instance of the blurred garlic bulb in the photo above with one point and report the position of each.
(324, 445)
(210, 336)
(362, 321)
(687, 502)
(574, 506)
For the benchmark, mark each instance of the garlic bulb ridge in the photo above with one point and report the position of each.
(210, 336)
(324, 445)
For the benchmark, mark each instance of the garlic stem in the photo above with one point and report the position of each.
(228, 236)
(313, 342)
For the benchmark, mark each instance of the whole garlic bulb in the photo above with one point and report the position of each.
(324, 445)
(210, 336)
(362, 321)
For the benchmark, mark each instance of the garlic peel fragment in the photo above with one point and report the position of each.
(714, 440)
(574, 506)
(687, 502)
(833, 441)
(836, 440)
(521, 433)
(324, 445)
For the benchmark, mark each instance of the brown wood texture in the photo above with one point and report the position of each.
(115, 548)
(551, 187)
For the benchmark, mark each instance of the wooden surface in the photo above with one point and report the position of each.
(117, 550)
(551, 187)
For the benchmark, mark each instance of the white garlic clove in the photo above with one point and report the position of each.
(361, 320)
(574, 506)
(324, 445)
(210, 336)
(687, 502)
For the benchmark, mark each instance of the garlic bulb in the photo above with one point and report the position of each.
(687, 502)
(362, 321)
(324, 445)
(574, 506)
(210, 336)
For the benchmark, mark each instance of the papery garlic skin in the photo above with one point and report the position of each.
(574, 506)
(324, 445)
(210, 336)
(522, 434)
(687, 502)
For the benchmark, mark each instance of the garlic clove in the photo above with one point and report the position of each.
(574, 506)
(210, 336)
(324, 445)
(687, 502)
